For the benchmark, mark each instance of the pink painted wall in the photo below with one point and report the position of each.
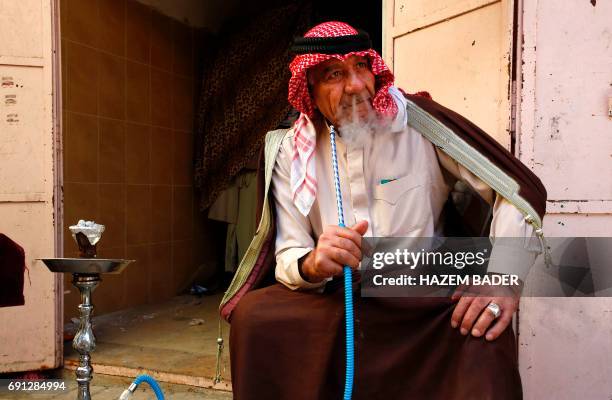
(565, 136)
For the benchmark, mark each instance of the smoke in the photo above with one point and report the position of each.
(359, 122)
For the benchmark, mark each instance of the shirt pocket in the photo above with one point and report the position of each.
(402, 206)
(392, 191)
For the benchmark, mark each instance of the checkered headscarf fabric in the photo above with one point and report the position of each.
(303, 173)
(299, 97)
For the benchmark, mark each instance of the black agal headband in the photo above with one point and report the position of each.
(332, 45)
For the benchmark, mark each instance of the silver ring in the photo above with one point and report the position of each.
(495, 309)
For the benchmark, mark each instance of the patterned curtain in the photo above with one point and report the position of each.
(244, 95)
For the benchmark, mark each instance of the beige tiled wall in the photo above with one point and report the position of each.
(129, 80)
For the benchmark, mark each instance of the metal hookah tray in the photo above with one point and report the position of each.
(86, 265)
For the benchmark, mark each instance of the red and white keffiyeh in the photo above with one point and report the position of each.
(303, 176)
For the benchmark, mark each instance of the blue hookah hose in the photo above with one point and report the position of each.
(348, 280)
(139, 379)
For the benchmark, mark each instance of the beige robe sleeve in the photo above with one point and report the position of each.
(514, 242)
(294, 237)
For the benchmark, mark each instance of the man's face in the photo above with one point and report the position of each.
(342, 90)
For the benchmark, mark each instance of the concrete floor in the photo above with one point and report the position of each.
(173, 341)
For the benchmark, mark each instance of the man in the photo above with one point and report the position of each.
(287, 340)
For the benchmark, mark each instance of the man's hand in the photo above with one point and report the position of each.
(470, 313)
(336, 247)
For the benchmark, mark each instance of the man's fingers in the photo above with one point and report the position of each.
(347, 245)
(346, 233)
(360, 227)
(344, 257)
(483, 322)
(502, 323)
(337, 255)
(460, 310)
(472, 313)
(350, 234)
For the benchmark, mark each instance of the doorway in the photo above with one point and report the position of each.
(131, 76)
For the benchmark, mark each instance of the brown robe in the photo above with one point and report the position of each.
(290, 345)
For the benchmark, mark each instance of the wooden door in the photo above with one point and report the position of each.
(31, 335)
(458, 51)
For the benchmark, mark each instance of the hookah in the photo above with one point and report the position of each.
(86, 271)
(348, 280)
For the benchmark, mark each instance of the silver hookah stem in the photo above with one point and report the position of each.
(84, 341)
